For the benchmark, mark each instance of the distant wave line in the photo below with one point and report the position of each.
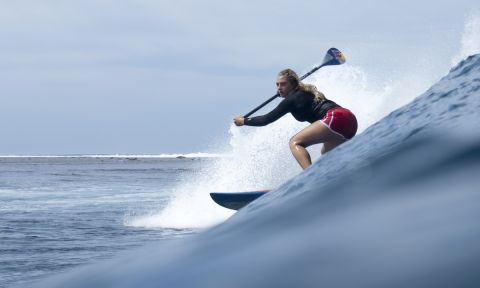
(123, 156)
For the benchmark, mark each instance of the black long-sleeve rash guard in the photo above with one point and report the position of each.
(302, 105)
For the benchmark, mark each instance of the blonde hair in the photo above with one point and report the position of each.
(293, 78)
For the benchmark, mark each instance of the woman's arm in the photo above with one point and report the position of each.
(283, 108)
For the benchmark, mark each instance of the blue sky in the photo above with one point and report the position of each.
(152, 77)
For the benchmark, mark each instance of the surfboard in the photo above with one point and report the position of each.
(236, 200)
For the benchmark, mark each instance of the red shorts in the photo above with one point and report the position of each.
(341, 121)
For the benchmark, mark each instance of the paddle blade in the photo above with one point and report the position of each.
(333, 57)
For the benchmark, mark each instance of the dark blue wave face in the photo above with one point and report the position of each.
(58, 213)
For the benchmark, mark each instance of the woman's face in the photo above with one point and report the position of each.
(284, 87)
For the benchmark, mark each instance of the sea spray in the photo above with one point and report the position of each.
(470, 42)
(259, 157)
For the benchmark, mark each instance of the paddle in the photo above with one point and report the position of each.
(333, 57)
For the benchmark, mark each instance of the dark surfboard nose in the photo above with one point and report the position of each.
(235, 200)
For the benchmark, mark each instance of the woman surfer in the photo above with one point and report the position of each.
(330, 124)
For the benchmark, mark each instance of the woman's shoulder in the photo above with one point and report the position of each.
(303, 96)
(299, 94)
(300, 98)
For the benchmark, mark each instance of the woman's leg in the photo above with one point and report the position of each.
(315, 133)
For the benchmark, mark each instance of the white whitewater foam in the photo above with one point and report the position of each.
(470, 39)
(260, 158)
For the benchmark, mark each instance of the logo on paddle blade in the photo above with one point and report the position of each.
(338, 55)
(334, 57)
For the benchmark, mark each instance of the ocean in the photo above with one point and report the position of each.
(396, 206)
(61, 212)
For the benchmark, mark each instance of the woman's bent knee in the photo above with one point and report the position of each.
(294, 142)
